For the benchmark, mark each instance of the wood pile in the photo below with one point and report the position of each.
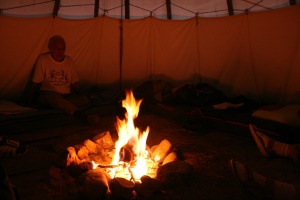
(83, 181)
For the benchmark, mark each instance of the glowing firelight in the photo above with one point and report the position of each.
(134, 140)
(127, 132)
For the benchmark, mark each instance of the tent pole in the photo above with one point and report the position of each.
(121, 47)
(169, 11)
(96, 8)
(127, 10)
(292, 2)
(56, 8)
(230, 7)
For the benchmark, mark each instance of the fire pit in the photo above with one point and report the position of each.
(127, 168)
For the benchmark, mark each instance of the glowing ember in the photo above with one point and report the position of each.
(131, 141)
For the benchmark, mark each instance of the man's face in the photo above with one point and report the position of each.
(57, 50)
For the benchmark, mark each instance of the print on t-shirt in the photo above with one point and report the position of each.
(58, 78)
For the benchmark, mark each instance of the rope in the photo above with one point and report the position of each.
(256, 4)
(183, 8)
(158, 7)
(140, 8)
(76, 5)
(115, 8)
(33, 4)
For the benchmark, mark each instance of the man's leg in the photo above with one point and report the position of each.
(82, 102)
(270, 147)
(56, 100)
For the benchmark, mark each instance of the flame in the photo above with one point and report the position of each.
(134, 141)
(127, 132)
(132, 137)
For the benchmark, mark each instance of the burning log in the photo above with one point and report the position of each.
(91, 146)
(161, 151)
(72, 156)
(121, 188)
(126, 154)
(82, 151)
(170, 158)
(104, 140)
(100, 149)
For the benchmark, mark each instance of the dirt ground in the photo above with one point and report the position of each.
(208, 152)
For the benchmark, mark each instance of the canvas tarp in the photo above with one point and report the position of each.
(251, 54)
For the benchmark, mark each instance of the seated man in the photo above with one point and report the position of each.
(55, 80)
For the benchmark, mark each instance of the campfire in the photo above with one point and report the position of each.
(127, 167)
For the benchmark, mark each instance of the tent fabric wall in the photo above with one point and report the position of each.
(275, 54)
(136, 51)
(224, 55)
(174, 50)
(254, 54)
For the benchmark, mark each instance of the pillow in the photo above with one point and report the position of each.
(8, 108)
(285, 114)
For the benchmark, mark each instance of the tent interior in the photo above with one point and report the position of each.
(253, 53)
(204, 69)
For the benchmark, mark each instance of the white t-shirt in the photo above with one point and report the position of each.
(54, 76)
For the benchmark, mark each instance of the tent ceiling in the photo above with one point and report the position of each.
(180, 9)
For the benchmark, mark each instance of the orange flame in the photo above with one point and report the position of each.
(131, 136)
(135, 141)
(127, 132)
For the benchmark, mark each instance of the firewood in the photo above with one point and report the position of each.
(104, 140)
(170, 158)
(121, 188)
(83, 152)
(161, 151)
(72, 157)
(153, 148)
(91, 146)
(126, 154)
